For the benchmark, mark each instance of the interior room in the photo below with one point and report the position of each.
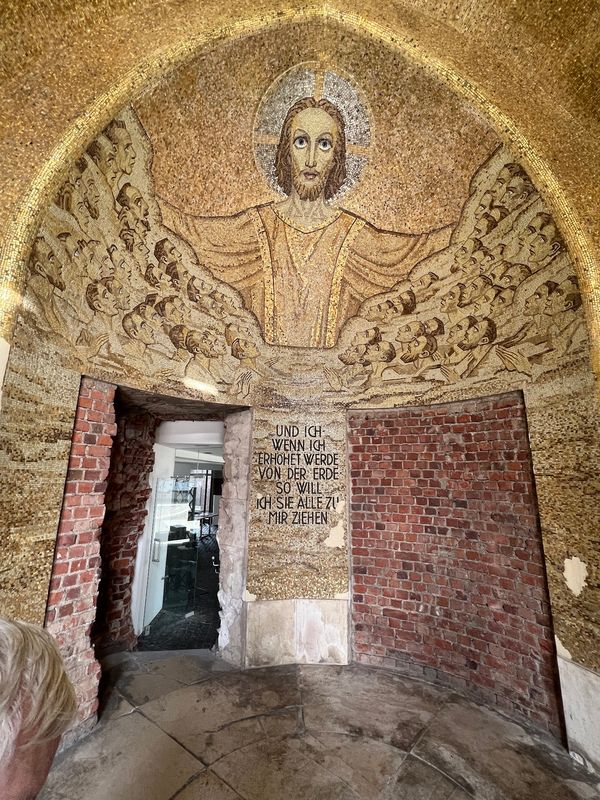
(299, 422)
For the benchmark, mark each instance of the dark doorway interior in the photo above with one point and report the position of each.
(189, 617)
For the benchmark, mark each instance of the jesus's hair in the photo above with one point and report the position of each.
(283, 158)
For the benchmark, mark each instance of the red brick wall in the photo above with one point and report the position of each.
(447, 564)
(71, 605)
(126, 498)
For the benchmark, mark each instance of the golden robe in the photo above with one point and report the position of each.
(302, 285)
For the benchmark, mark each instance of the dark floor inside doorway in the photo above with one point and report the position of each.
(189, 618)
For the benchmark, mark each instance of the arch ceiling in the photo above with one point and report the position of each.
(531, 67)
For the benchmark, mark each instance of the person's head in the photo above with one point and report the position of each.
(502, 300)
(230, 304)
(537, 302)
(382, 312)
(462, 257)
(80, 195)
(90, 194)
(177, 335)
(121, 264)
(485, 224)
(37, 705)
(408, 302)
(118, 290)
(244, 348)
(483, 304)
(206, 342)
(514, 275)
(134, 241)
(541, 238)
(420, 347)
(474, 289)
(456, 333)
(498, 271)
(566, 297)
(434, 326)
(104, 155)
(517, 191)
(354, 354)
(119, 136)
(138, 327)
(407, 332)
(166, 253)
(503, 179)
(484, 205)
(147, 311)
(197, 288)
(450, 301)
(100, 299)
(368, 336)
(481, 333)
(131, 199)
(425, 282)
(171, 309)
(43, 262)
(380, 353)
(311, 154)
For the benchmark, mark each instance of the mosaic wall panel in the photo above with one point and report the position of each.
(383, 250)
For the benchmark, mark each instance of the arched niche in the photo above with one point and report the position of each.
(123, 287)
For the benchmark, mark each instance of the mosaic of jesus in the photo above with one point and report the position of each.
(302, 264)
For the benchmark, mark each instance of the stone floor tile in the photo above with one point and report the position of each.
(279, 768)
(141, 687)
(119, 660)
(207, 786)
(185, 669)
(367, 766)
(373, 703)
(420, 781)
(284, 722)
(494, 758)
(115, 705)
(215, 717)
(265, 687)
(128, 759)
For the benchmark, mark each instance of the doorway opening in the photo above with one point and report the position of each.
(159, 548)
(180, 607)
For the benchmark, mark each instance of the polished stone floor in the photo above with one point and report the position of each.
(188, 727)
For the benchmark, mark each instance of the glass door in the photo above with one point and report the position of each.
(181, 606)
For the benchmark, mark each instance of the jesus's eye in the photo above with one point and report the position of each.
(325, 145)
(300, 142)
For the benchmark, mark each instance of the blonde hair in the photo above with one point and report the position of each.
(37, 699)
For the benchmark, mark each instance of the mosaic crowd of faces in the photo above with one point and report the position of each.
(128, 299)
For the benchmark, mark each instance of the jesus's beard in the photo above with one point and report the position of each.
(310, 191)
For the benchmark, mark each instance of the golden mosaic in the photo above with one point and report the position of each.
(314, 288)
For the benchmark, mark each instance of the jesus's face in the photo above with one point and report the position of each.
(314, 135)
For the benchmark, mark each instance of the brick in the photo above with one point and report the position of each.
(446, 551)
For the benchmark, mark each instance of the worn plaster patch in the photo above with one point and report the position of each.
(575, 573)
(248, 596)
(561, 650)
(336, 536)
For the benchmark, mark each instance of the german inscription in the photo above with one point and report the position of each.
(296, 471)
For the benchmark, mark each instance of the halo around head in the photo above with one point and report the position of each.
(313, 79)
